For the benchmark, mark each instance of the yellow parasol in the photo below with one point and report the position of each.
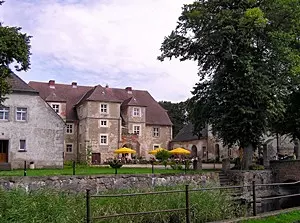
(180, 151)
(155, 151)
(124, 150)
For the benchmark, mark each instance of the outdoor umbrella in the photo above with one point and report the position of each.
(124, 150)
(155, 151)
(180, 151)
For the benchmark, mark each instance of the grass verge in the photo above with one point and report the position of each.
(291, 217)
(86, 170)
(58, 207)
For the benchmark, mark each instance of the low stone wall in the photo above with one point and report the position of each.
(99, 183)
(245, 178)
(285, 170)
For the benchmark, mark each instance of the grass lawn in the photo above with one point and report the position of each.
(84, 170)
(291, 217)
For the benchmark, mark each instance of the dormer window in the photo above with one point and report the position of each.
(136, 112)
(55, 107)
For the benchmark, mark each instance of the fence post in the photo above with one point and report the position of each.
(187, 204)
(152, 167)
(88, 208)
(254, 197)
(25, 169)
(74, 167)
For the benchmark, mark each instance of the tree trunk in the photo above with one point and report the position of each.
(247, 157)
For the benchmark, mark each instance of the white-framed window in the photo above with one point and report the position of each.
(103, 123)
(70, 128)
(4, 113)
(22, 145)
(69, 148)
(103, 139)
(155, 132)
(156, 146)
(136, 112)
(21, 114)
(104, 108)
(136, 129)
(55, 107)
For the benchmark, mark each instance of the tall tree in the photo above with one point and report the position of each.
(14, 49)
(248, 54)
(177, 113)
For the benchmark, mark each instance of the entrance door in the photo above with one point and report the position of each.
(96, 158)
(3, 151)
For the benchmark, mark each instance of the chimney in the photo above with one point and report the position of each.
(52, 84)
(129, 90)
(74, 84)
(106, 86)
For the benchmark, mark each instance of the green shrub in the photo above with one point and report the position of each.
(116, 164)
(162, 155)
(256, 167)
(68, 163)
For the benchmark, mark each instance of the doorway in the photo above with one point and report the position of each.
(96, 158)
(3, 151)
(194, 151)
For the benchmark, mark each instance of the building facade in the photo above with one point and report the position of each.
(29, 130)
(102, 119)
(206, 145)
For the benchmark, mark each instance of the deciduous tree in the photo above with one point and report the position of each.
(248, 56)
(177, 113)
(14, 50)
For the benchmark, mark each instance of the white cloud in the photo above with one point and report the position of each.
(103, 41)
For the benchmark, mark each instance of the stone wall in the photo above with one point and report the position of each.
(245, 178)
(285, 170)
(106, 182)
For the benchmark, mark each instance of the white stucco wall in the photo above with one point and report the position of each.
(43, 132)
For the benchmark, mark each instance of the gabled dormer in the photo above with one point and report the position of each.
(133, 110)
(57, 103)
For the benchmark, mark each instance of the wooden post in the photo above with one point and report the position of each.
(25, 169)
(254, 198)
(187, 204)
(88, 208)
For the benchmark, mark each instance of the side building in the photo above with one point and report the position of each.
(205, 145)
(101, 119)
(29, 130)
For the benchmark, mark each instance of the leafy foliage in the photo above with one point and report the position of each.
(248, 57)
(14, 49)
(162, 155)
(177, 113)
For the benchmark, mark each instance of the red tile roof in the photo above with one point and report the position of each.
(67, 92)
(155, 114)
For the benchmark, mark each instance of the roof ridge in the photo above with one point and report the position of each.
(15, 77)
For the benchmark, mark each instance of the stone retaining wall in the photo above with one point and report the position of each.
(99, 183)
(245, 178)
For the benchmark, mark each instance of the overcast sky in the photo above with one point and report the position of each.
(114, 42)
